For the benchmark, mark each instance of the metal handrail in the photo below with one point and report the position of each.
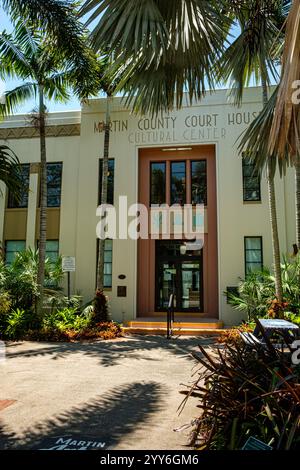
(170, 316)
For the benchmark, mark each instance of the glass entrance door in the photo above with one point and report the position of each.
(178, 274)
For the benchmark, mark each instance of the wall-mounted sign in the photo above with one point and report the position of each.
(68, 264)
(122, 276)
(122, 291)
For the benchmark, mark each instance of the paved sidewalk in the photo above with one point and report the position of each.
(123, 393)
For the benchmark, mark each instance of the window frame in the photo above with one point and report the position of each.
(5, 248)
(206, 188)
(171, 181)
(245, 163)
(162, 162)
(259, 237)
(10, 197)
(105, 262)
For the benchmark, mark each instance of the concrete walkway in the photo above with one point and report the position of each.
(123, 393)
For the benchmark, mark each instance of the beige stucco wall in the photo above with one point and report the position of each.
(80, 156)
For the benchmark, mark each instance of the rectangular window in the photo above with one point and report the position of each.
(110, 182)
(107, 270)
(52, 250)
(251, 182)
(178, 183)
(158, 183)
(12, 203)
(54, 178)
(12, 247)
(253, 254)
(199, 182)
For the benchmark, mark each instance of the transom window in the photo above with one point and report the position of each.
(158, 183)
(253, 254)
(199, 182)
(251, 182)
(12, 202)
(186, 180)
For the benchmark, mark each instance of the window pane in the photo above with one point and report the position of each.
(158, 183)
(23, 202)
(54, 176)
(107, 280)
(12, 247)
(253, 256)
(178, 183)
(110, 181)
(199, 182)
(253, 243)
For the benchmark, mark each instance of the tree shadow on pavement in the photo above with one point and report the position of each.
(106, 418)
(111, 353)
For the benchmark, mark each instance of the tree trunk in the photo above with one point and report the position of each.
(273, 216)
(297, 171)
(43, 203)
(100, 267)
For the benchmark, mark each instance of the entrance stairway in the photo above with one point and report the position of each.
(181, 326)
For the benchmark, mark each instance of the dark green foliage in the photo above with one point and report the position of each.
(100, 308)
(244, 392)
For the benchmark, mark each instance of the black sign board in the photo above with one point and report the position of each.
(256, 444)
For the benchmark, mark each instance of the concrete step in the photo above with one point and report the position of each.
(176, 331)
(203, 325)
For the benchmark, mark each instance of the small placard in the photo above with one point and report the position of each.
(122, 291)
(256, 444)
(68, 264)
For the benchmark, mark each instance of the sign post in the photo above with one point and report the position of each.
(68, 266)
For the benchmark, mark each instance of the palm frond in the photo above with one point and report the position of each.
(160, 49)
(10, 170)
(13, 60)
(250, 54)
(285, 128)
(19, 95)
(254, 142)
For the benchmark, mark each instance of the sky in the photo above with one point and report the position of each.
(72, 104)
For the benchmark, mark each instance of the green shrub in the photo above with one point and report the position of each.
(17, 323)
(257, 291)
(65, 319)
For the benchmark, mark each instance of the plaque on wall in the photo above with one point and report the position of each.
(122, 291)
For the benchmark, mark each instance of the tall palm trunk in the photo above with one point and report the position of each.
(297, 173)
(273, 216)
(43, 202)
(100, 268)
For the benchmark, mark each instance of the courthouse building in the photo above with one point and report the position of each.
(189, 156)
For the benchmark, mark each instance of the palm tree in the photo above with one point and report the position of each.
(161, 48)
(33, 58)
(250, 55)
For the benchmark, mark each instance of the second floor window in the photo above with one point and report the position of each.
(12, 202)
(158, 183)
(178, 183)
(110, 181)
(251, 182)
(199, 182)
(54, 178)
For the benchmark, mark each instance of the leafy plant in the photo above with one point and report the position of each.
(17, 323)
(246, 392)
(257, 291)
